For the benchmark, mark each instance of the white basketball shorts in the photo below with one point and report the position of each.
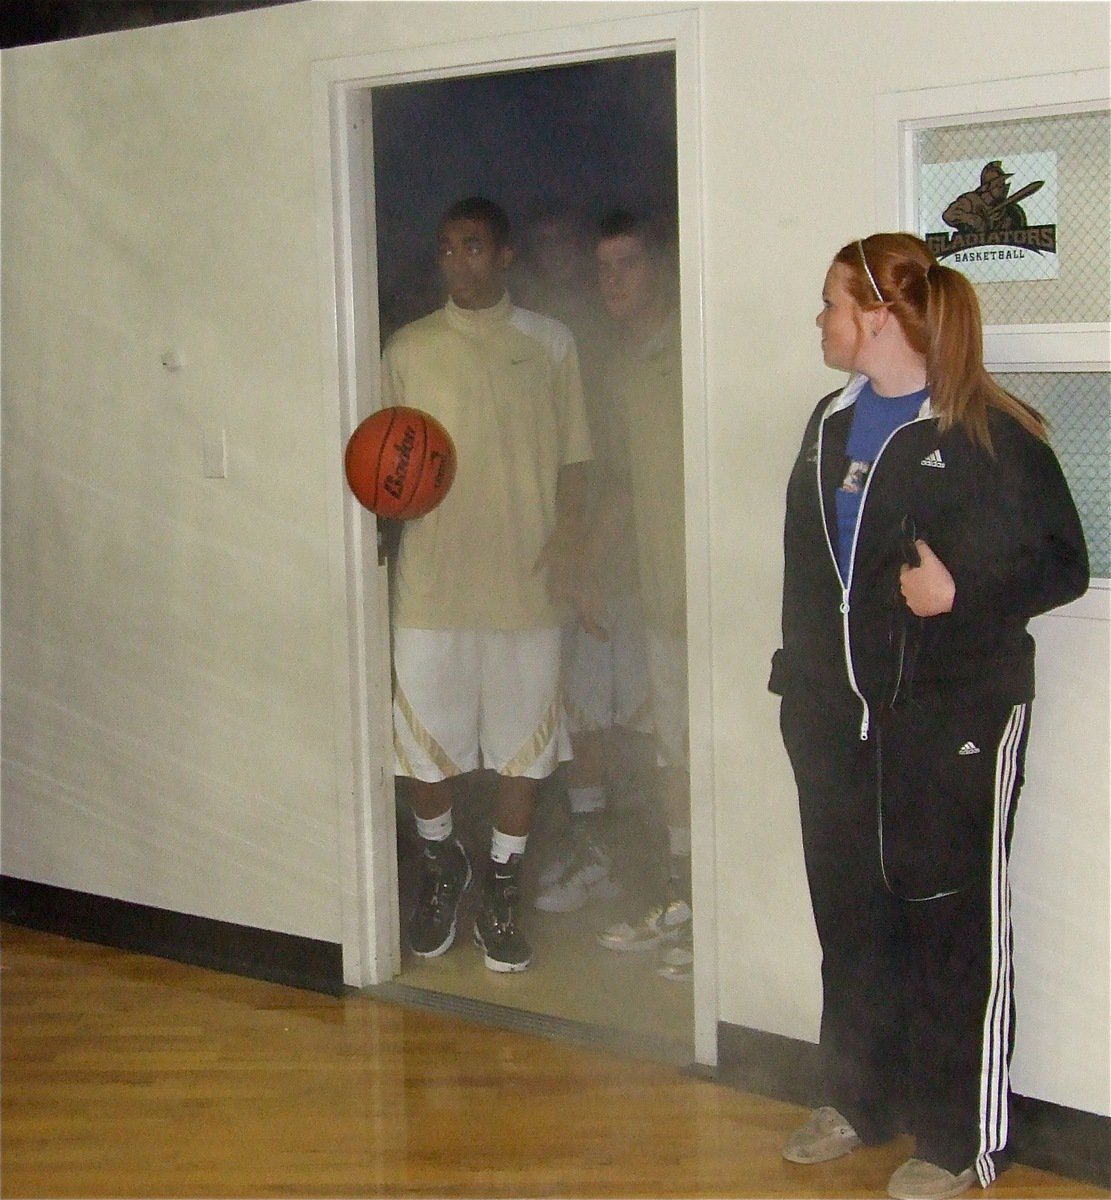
(466, 698)
(667, 667)
(605, 683)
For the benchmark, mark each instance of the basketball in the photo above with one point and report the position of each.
(400, 462)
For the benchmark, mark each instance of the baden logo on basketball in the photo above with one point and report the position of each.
(395, 484)
(400, 462)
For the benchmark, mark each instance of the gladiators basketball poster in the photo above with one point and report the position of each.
(995, 219)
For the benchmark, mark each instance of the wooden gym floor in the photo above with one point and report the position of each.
(125, 1075)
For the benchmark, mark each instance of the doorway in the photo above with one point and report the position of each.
(351, 96)
(558, 148)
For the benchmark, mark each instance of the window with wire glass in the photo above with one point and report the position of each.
(1081, 292)
(1076, 403)
(1077, 406)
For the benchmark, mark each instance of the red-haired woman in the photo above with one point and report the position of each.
(927, 521)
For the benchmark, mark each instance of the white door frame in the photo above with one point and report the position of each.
(346, 250)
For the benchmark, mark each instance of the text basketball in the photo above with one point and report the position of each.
(400, 462)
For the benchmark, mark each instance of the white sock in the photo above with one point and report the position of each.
(435, 829)
(586, 799)
(679, 840)
(504, 845)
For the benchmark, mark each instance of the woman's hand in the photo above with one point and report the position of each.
(928, 589)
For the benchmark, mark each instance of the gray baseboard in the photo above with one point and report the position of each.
(199, 941)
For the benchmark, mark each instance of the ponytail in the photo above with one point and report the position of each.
(961, 389)
(938, 311)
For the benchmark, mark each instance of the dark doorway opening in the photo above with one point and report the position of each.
(577, 140)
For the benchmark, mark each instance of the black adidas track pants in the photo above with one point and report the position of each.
(906, 839)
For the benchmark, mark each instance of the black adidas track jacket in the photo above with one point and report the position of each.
(1004, 524)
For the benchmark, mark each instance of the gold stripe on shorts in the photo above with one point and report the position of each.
(583, 721)
(530, 752)
(422, 737)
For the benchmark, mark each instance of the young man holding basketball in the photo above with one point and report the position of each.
(481, 582)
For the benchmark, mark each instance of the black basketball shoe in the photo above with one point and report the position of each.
(495, 930)
(445, 873)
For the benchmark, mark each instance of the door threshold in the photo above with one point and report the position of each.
(673, 1051)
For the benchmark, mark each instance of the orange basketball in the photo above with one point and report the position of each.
(400, 462)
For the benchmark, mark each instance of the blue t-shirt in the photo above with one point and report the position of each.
(875, 419)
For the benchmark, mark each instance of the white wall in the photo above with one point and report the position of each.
(1061, 882)
(170, 726)
(167, 712)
